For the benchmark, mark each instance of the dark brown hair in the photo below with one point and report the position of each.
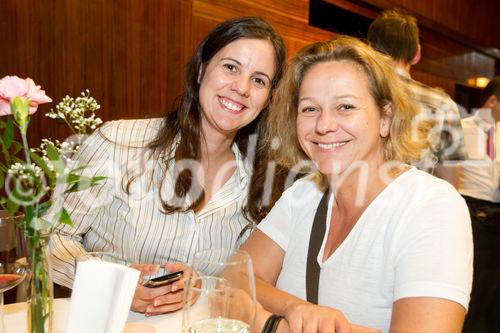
(493, 88)
(183, 124)
(396, 34)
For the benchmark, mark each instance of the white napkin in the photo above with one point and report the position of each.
(101, 297)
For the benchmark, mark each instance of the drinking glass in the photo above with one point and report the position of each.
(13, 262)
(220, 293)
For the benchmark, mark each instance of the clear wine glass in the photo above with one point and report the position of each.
(13, 261)
(220, 293)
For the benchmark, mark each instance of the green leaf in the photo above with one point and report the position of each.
(58, 166)
(12, 206)
(43, 207)
(16, 159)
(96, 179)
(75, 188)
(8, 134)
(73, 177)
(52, 152)
(2, 179)
(15, 147)
(80, 168)
(64, 218)
(80, 183)
(42, 224)
(41, 163)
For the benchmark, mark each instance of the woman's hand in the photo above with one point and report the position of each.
(167, 298)
(309, 318)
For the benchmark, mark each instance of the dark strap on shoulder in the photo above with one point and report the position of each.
(315, 240)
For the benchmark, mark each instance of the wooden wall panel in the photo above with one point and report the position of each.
(450, 49)
(446, 11)
(131, 53)
(478, 19)
(290, 18)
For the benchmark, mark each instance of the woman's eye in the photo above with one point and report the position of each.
(346, 107)
(230, 67)
(260, 82)
(308, 109)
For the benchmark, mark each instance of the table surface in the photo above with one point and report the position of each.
(15, 319)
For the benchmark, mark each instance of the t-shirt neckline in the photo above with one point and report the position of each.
(385, 192)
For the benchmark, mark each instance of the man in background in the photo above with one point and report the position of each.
(480, 187)
(396, 34)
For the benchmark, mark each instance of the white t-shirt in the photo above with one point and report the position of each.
(413, 240)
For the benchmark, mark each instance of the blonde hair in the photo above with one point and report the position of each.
(386, 87)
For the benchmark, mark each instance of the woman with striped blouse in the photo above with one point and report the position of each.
(191, 180)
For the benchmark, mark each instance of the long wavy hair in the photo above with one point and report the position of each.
(180, 133)
(406, 139)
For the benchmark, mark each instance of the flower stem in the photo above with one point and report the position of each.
(26, 147)
(70, 126)
(40, 303)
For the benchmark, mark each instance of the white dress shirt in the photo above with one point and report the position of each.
(479, 176)
(132, 225)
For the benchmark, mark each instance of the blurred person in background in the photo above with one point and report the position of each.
(397, 35)
(480, 186)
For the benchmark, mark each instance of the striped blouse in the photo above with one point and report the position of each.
(132, 225)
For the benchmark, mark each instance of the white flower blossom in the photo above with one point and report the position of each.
(78, 112)
(66, 151)
(29, 172)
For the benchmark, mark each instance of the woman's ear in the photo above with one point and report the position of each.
(386, 120)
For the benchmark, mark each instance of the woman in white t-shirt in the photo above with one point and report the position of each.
(397, 251)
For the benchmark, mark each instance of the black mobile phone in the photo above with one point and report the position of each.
(163, 280)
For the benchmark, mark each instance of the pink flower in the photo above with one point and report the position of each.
(12, 86)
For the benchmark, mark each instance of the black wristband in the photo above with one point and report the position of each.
(272, 323)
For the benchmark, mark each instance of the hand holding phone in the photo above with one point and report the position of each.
(163, 279)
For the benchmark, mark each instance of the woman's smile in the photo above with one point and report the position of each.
(333, 146)
(231, 105)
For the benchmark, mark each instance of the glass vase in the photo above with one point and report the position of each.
(41, 289)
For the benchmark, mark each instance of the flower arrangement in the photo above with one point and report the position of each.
(29, 177)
